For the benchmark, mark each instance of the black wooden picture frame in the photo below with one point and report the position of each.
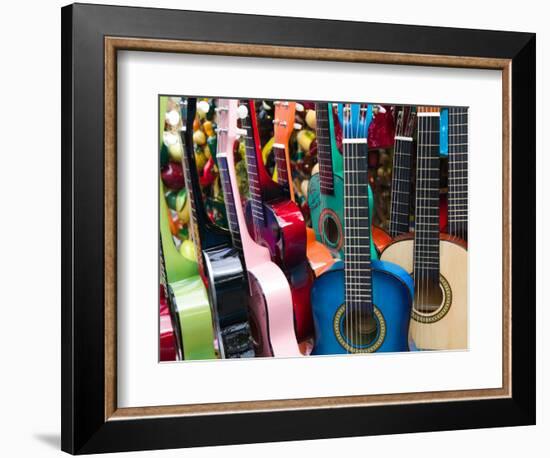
(86, 425)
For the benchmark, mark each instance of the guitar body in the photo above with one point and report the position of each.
(392, 298)
(194, 316)
(319, 256)
(227, 293)
(327, 214)
(270, 306)
(168, 344)
(284, 234)
(188, 296)
(447, 327)
(380, 238)
(271, 312)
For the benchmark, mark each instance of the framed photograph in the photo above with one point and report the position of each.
(271, 222)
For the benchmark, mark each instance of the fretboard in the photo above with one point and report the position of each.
(229, 202)
(358, 274)
(426, 236)
(324, 150)
(191, 184)
(283, 177)
(253, 170)
(401, 186)
(458, 172)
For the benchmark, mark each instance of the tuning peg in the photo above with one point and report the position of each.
(173, 118)
(297, 126)
(242, 111)
(299, 107)
(240, 132)
(381, 109)
(170, 138)
(203, 106)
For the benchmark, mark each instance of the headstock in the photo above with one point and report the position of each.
(429, 111)
(406, 122)
(228, 112)
(285, 113)
(355, 119)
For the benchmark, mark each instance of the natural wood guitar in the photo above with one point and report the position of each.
(439, 262)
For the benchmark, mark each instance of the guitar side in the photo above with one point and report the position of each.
(392, 294)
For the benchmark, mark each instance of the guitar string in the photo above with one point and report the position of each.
(365, 318)
(395, 181)
(359, 221)
(352, 228)
(347, 262)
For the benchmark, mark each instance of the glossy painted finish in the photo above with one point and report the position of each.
(282, 230)
(380, 238)
(270, 303)
(228, 294)
(193, 313)
(392, 296)
(168, 344)
(194, 316)
(221, 268)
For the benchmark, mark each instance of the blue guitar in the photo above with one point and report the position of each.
(362, 305)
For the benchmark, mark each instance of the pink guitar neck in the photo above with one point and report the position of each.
(274, 284)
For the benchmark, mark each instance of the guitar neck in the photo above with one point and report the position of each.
(283, 127)
(426, 236)
(204, 234)
(230, 204)
(324, 149)
(358, 273)
(458, 172)
(401, 178)
(284, 177)
(254, 168)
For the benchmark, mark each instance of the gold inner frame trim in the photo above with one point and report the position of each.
(115, 44)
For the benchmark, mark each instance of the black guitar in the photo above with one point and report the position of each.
(220, 263)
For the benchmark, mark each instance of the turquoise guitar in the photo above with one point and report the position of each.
(364, 305)
(326, 188)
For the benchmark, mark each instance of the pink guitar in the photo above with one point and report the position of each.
(271, 311)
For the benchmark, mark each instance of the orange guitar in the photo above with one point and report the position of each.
(319, 256)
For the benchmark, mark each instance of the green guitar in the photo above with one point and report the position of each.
(326, 189)
(187, 295)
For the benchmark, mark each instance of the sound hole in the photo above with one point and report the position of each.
(433, 303)
(359, 328)
(331, 231)
(427, 297)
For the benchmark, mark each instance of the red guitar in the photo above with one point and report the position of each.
(277, 223)
(319, 256)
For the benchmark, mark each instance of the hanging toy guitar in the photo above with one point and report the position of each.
(360, 305)
(438, 261)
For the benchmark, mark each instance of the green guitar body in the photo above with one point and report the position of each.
(327, 211)
(188, 295)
